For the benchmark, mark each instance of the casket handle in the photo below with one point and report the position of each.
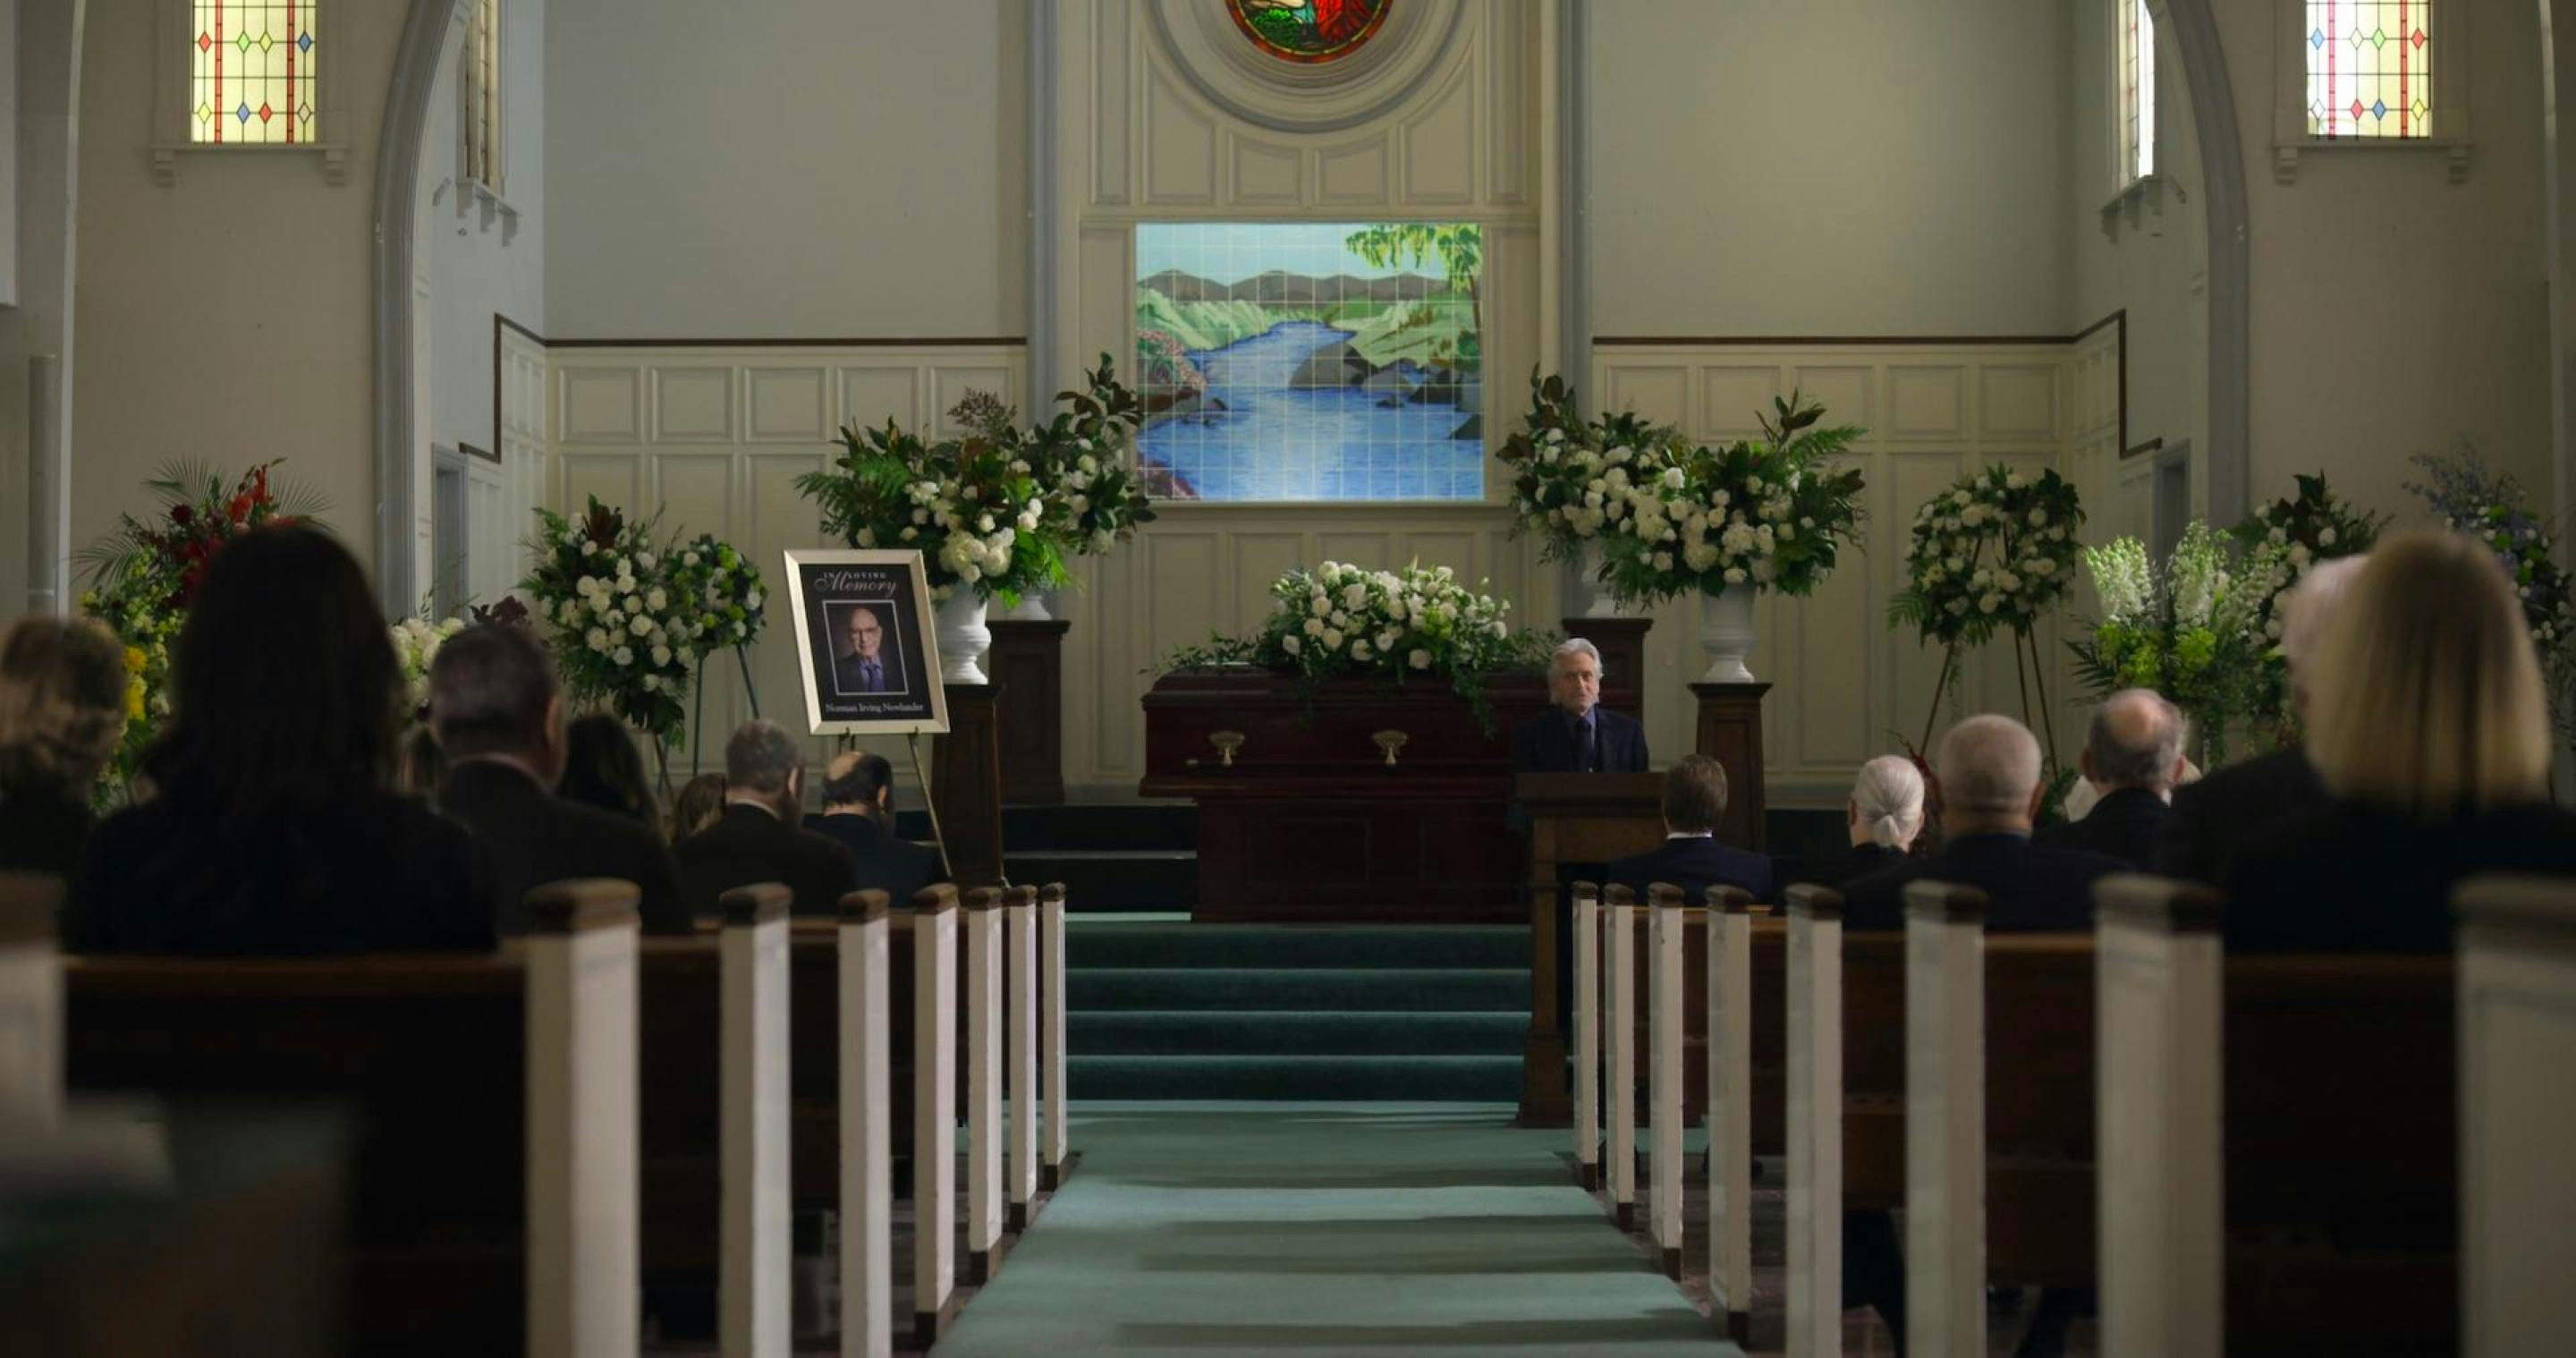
(1226, 743)
(1390, 741)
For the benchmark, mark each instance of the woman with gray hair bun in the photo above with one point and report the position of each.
(62, 710)
(1884, 815)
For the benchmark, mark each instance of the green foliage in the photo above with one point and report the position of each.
(2182, 629)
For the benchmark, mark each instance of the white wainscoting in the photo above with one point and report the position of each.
(1845, 683)
(714, 436)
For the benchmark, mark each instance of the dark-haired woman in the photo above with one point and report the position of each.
(602, 768)
(272, 830)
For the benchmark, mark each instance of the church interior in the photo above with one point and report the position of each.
(1026, 677)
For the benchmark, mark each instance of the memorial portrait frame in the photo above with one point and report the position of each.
(899, 585)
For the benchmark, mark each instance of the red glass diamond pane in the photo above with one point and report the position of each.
(204, 42)
(2417, 38)
(263, 113)
(2359, 108)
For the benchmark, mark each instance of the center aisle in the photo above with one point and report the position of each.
(1245, 1228)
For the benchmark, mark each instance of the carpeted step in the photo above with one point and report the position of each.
(1163, 1032)
(1411, 990)
(1125, 880)
(1179, 943)
(1411, 1078)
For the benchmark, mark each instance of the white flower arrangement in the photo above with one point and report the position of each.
(416, 642)
(625, 626)
(1991, 554)
(1672, 517)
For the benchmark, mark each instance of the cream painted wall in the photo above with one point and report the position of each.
(2394, 311)
(1827, 167)
(479, 261)
(2150, 261)
(224, 317)
(792, 168)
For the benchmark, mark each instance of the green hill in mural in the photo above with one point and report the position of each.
(1403, 317)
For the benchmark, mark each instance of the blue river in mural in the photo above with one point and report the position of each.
(1257, 435)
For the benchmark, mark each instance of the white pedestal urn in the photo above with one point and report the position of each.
(1726, 633)
(1585, 597)
(963, 637)
(1034, 606)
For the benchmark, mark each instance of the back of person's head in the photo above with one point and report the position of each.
(855, 778)
(2426, 693)
(2307, 609)
(62, 706)
(699, 805)
(2135, 741)
(1694, 794)
(762, 759)
(284, 687)
(419, 763)
(492, 690)
(1887, 797)
(1989, 768)
(602, 768)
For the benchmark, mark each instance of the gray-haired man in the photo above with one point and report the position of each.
(759, 839)
(1578, 735)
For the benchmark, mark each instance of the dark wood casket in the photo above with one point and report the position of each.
(1311, 822)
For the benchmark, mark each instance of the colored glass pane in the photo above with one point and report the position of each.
(257, 60)
(1311, 360)
(2370, 69)
(1309, 30)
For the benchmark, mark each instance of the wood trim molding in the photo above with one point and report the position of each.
(785, 342)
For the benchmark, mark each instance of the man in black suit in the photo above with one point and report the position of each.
(1987, 770)
(862, 666)
(2133, 758)
(1691, 858)
(2243, 802)
(757, 839)
(1578, 735)
(497, 711)
(858, 810)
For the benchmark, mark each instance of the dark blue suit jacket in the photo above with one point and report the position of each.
(1545, 743)
(2029, 887)
(1695, 865)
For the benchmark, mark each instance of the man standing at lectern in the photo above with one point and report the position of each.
(1578, 735)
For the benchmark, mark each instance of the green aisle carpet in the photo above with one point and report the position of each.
(1361, 1229)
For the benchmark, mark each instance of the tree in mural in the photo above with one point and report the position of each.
(1459, 246)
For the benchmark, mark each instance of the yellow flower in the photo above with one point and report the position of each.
(134, 698)
(134, 659)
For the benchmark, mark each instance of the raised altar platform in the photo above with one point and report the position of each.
(1310, 821)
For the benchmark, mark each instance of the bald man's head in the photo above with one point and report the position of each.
(1989, 771)
(2136, 741)
(858, 781)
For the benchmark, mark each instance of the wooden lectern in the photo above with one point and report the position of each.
(1573, 818)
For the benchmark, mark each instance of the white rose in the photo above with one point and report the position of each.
(867, 538)
(1360, 650)
(2299, 554)
(655, 599)
(644, 560)
(1663, 561)
(661, 655)
(622, 657)
(1332, 638)
(1291, 645)
(910, 533)
(1386, 641)
(1672, 478)
(2326, 536)
(1314, 627)
(920, 516)
(2039, 518)
(590, 549)
(1420, 659)
(625, 584)
(1988, 603)
(752, 600)
(2014, 481)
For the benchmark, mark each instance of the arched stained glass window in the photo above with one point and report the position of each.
(2137, 25)
(2370, 68)
(251, 68)
(1309, 30)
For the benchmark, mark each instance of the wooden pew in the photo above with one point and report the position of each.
(1055, 1157)
(31, 1005)
(1621, 916)
(1846, 1100)
(496, 1093)
(1586, 925)
(1999, 1155)
(868, 1114)
(985, 999)
(934, 1114)
(1679, 1007)
(1731, 1109)
(754, 1320)
(2278, 1140)
(2517, 1028)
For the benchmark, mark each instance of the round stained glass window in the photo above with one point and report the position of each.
(1309, 30)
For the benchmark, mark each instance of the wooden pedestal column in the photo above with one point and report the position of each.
(1730, 732)
(966, 781)
(1027, 665)
(1622, 643)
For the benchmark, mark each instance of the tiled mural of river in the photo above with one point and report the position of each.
(1357, 376)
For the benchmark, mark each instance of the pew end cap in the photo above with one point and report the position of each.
(2161, 904)
(581, 904)
(1945, 903)
(2544, 904)
(30, 903)
(758, 903)
(1815, 902)
(865, 906)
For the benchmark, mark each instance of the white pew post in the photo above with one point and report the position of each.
(934, 1111)
(1945, 1120)
(584, 1251)
(1669, 924)
(867, 1128)
(1020, 925)
(1620, 908)
(31, 1005)
(1051, 907)
(2161, 1184)
(983, 1081)
(2517, 1035)
(1730, 1111)
(756, 1237)
(1815, 1122)
(1587, 1034)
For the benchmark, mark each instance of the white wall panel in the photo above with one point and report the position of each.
(786, 405)
(692, 405)
(1180, 146)
(1264, 174)
(1440, 146)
